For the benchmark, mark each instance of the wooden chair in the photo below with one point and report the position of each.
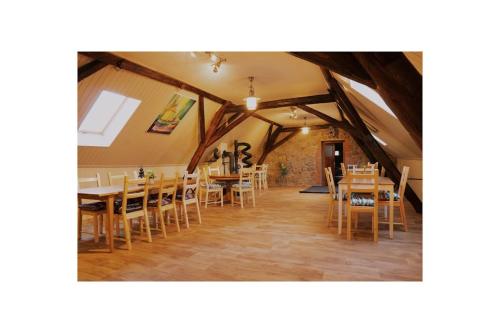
(165, 202)
(209, 186)
(344, 171)
(245, 185)
(398, 197)
(333, 195)
(382, 172)
(261, 177)
(96, 209)
(134, 204)
(362, 199)
(364, 170)
(116, 179)
(351, 167)
(189, 195)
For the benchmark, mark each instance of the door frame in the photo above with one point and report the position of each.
(323, 143)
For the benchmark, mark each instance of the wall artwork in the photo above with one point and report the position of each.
(176, 109)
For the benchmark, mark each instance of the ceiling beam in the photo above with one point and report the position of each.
(210, 132)
(201, 117)
(368, 141)
(316, 99)
(343, 63)
(400, 86)
(224, 129)
(90, 68)
(313, 127)
(258, 116)
(271, 139)
(123, 63)
(321, 115)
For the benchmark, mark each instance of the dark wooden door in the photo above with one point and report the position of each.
(332, 154)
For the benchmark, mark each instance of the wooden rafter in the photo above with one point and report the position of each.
(271, 139)
(316, 99)
(224, 129)
(208, 135)
(400, 86)
(367, 142)
(90, 68)
(323, 116)
(128, 65)
(201, 117)
(313, 127)
(343, 63)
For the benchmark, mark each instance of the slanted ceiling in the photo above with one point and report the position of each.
(278, 75)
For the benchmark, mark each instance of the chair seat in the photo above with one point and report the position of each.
(385, 196)
(189, 195)
(243, 185)
(93, 207)
(213, 186)
(360, 199)
(164, 202)
(131, 207)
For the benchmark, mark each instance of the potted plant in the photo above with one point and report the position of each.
(150, 175)
(283, 171)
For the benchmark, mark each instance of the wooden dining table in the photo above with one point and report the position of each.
(384, 184)
(108, 194)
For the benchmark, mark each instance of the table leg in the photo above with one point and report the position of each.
(339, 217)
(109, 205)
(391, 212)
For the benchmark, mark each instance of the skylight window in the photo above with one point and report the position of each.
(382, 142)
(372, 95)
(106, 118)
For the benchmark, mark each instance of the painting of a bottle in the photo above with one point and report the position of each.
(176, 109)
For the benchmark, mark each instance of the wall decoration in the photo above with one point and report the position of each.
(176, 109)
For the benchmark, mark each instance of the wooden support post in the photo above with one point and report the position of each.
(201, 117)
(210, 132)
(368, 141)
(400, 86)
(90, 68)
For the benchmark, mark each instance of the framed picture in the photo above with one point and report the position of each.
(176, 109)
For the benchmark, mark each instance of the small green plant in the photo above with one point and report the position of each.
(150, 174)
(283, 169)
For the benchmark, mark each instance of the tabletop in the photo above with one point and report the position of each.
(363, 181)
(226, 177)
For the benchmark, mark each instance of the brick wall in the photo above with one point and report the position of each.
(302, 155)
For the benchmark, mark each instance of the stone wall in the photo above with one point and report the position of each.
(302, 155)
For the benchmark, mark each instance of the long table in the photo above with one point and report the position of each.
(108, 194)
(384, 184)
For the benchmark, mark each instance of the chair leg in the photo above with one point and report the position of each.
(80, 222)
(403, 215)
(349, 236)
(232, 197)
(148, 229)
(253, 198)
(198, 211)
(375, 225)
(176, 219)
(96, 229)
(128, 236)
(329, 216)
(117, 225)
(242, 196)
(186, 215)
(206, 199)
(356, 216)
(162, 225)
(221, 192)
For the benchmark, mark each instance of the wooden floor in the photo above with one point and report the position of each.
(285, 238)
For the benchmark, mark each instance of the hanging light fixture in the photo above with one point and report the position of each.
(251, 100)
(293, 112)
(305, 129)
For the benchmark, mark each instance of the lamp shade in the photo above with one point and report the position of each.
(251, 102)
(305, 130)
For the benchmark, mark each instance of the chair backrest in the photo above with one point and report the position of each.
(363, 183)
(118, 178)
(213, 171)
(402, 182)
(351, 167)
(344, 171)
(375, 165)
(133, 189)
(190, 185)
(95, 180)
(382, 172)
(247, 176)
(329, 180)
(364, 171)
(136, 174)
(168, 187)
(264, 168)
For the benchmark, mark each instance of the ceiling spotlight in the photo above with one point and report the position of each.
(293, 112)
(216, 61)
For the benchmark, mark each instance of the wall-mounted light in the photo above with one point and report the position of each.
(305, 129)
(251, 101)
